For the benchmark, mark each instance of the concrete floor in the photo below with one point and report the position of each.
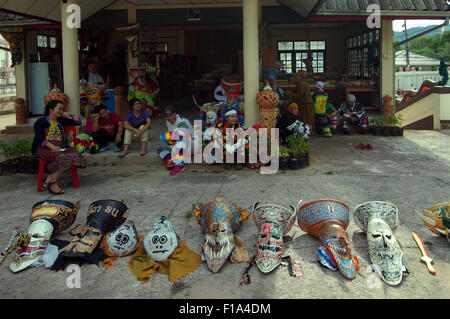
(412, 172)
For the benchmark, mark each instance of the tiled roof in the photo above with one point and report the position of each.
(404, 5)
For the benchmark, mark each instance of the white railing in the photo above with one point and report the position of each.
(413, 80)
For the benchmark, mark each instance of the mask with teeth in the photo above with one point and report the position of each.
(273, 221)
(379, 220)
(384, 251)
(162, 240)
(219, 221)
(211, 119)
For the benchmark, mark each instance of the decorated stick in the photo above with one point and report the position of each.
(425, 258)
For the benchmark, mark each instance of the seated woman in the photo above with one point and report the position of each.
(289, 125)
(136, 122)
(50, 144)
(353, 113)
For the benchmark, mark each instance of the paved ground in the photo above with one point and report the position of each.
(412, 172)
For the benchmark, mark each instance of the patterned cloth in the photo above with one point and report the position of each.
(57, 160)
(182, 262)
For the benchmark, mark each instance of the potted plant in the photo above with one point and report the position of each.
(304, 153)
(293, 157)
(294, 151)
(284, 154)
(17, 158)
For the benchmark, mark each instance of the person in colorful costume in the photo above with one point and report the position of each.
(154, 87)
(50, 144)
(353, 113)
(179, 134)
(92, 93)
(325, 113)
(231, 122)
(142, 90)
(233, 101)
(290, 125)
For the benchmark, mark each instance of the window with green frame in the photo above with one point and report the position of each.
(358, 49)
(291, 54)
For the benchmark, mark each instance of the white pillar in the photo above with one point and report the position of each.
(70, 59)
(251, 61)
(387, 58)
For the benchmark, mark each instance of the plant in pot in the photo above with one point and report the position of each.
(304, 152)
(378, 121)
(17, 158)
(284, 157)
(396, 121)
(294, 151)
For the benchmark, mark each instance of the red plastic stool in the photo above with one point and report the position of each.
(72, 129)
(73, 170)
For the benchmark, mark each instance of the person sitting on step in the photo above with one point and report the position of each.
(352, 113)
(137, 123)
(107, 128)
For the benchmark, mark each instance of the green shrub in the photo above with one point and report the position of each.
(21, 148)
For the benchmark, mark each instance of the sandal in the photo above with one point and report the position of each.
(123, 154)
(45, 185)
(52, 192)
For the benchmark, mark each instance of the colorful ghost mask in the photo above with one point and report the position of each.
(219, 220)
(47, 218)
(162, 240)
(274, 222)
(379, 220)
(327, 220)
(437, 219)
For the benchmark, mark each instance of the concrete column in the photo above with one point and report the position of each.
(21, 77)
(387, 59)
(70, 60)
(251, 60)
(133, 62)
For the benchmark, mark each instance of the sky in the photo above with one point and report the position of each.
(398, 24)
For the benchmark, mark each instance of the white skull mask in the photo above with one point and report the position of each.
(385, 252)
(124, 239)
(162, 240)
(211, 119)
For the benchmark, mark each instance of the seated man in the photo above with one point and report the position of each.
(179, 129)
(231, 122)
(107, 128)
(353, 113)
(289, 125)
(325, 113)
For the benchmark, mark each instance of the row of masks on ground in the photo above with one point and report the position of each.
(108, 235)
